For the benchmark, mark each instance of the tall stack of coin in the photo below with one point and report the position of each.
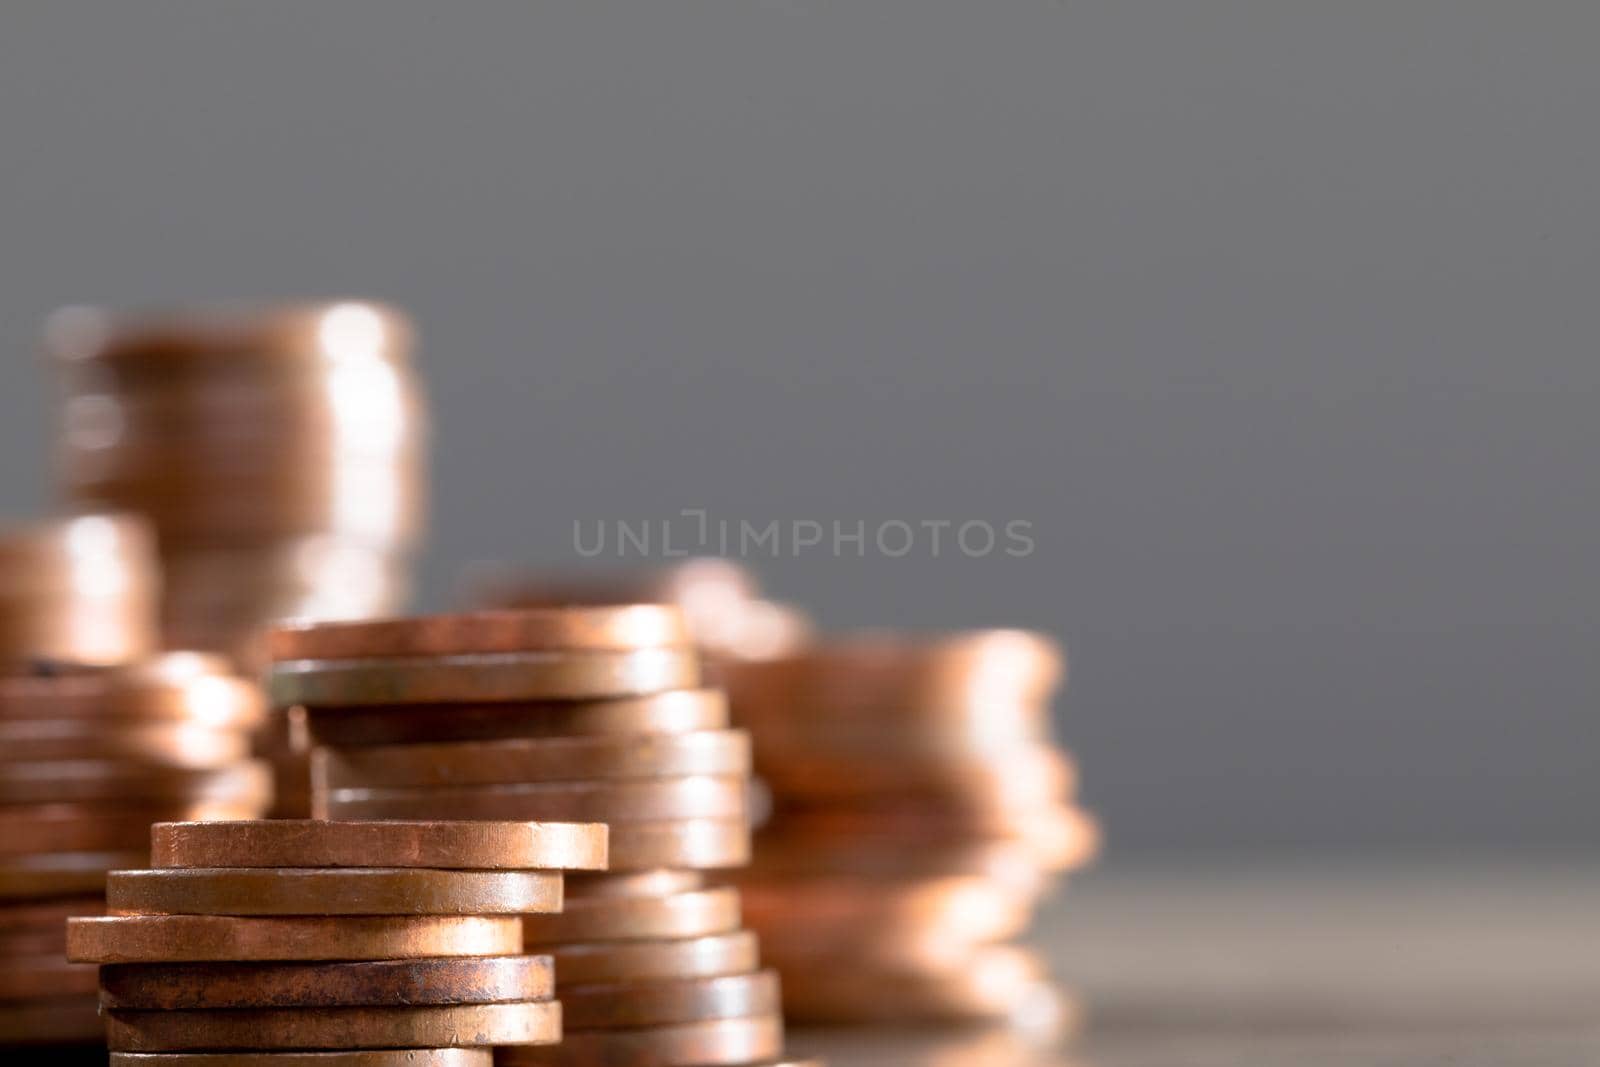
(89, 758)
(387, 943)
(579, 713)
(919, 811)
(278, 451)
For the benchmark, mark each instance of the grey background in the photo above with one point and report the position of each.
(1277, 320)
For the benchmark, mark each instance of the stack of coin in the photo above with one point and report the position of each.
(919, 810)
(278, 451)
(89, 758)
(386, 943)
(583, 713)
(77, 590)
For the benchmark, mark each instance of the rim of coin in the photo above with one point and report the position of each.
(99, 827)
(411, 1057)
(694, 913)
(837, 909)
(54, 781)
(603, 962)
(992, 982)
(466, 845)
(519, 1023)
(686, 1000)
(613, 885)
(491, 677)
(720, 1043)
(360, 983)
(612, 802)
(517, 761)
(229, 938)
(56, 874)
(623, 627)
(330, 891)
(697, 844)
(170, 744)
(183, 686)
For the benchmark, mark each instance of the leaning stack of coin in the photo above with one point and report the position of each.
(581, 713)
(278, 451)
(387, 943)
(89, 758)
(919, 810)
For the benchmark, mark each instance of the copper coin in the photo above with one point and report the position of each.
(100, 827)
(51, 1021)
(56, 781)
(44, 976)
(698, 844)
(178, 686)
(699, 797)
(720, 1043)
(618, 628)
(189, 986)
(967, 910)
(523, 1023)
(710, 752)
(676, 711)
(611, 885)
(639, 961)
(208, 938)
(985, 732)
(35, 943)
(164, 744)
(996, 982)
(310, 843)
(59, 874)
(695, 913)
(1059, 838)
(1020, 778)
(330, 891)
(1010, 863)
(690, 1000)
(411, 1057)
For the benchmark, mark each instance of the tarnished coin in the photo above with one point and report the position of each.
(366, 983)
(673, 712)
(219, 938)
(101, 827)
(697, 844)
(699, 797)
(710, 752)
(501, 676)
(44, 976)
(695, 913)
(575, 628)
(58, 781)
(163, 744)
(58, 874)
(411, 1057)
(525, 1023)
(690, 1000)
(611, 885)
(51, 1021)
(639, 961)
(721, 1043)
(330, 891)
(175, 686)
(449, 845)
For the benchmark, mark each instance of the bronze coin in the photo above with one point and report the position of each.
(177, 686)
(411, 1057)
(57, 781)
(100, 827)
(697, 844)
(710, 752)
(492, 677)
(577, 628)
(695, 913)
(611, 885)
(688, 1000)
(51, 1021)
(218, 938)
(330, 891)
(450, 845)
(676, 711)
(471, 1025)
(721, 1043)
(369, 983)
(699, 797)
(639, 961)
(162, 744)
(838, 910)
(23, 977)
(59, 874)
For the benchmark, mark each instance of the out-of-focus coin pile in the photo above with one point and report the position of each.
(279, 453)
(385, 943)
(581, 713)
(90, 756)
(919, 810)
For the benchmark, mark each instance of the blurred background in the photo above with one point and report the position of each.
(1275, 322)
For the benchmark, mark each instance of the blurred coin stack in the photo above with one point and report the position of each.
(279, 453)
(919, 812)
(580, 713)
(379, 944)
(90, 756)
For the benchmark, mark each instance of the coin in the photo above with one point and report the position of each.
(699, 844)
(695, 913)
(35, 915)
(675, 711)
(733, 996)
(46, 975)
(995, 982)
(612, 885)
(698, 797)
(55, 781)
(309, 843)
(1059, 837)
(639, 961)
(1019, 778)
(207, 938)
(523, 1023)
(100, 827)
(165, 744)
(180, 686)
(706, 1044)
(967, 910)
(189, 986)
(324, 891)
(489, 677)
(60, 873)
(711, 752)
(50, 1021)
(600, 628)
(411, 1057)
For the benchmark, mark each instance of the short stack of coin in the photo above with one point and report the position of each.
(89, 758)
(919, 810)
(386, 943)
(580, 713)
(278, 451)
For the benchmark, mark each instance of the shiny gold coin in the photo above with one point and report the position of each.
(721, 1043)
(217, 938)
(576, 628)
(58, 781)
(325, 891)
(59, 874)
(472, 1025)
(640, 961)
(695, 913)
(310, 843)
(700, 797)
(690, 1000)
(162, 744)
(23, 977)
(101, 827)
(502, 676)
(51, 1021)
(411, 1057)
